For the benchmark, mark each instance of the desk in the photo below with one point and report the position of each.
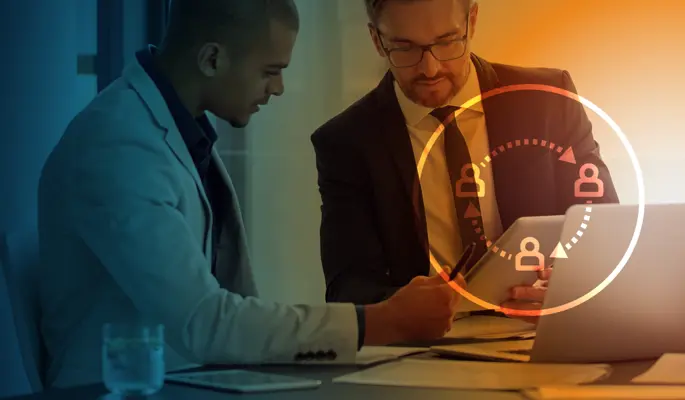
(622, 374)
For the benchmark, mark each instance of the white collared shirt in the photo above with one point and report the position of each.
(443, 227)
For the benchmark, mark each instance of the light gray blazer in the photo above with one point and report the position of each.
(124, 227)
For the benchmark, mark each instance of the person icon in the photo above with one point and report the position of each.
(474, 182)
(524, 256)
(592, 181)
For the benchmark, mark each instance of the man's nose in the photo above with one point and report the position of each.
(429, 66)
(276, 86)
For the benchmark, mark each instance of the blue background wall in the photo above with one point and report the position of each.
(41, 92)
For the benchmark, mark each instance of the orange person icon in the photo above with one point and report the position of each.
(473, 181)
(528, 254)
(592, 180)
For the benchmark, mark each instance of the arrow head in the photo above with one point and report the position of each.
(559, 252)
(568, 156)
(471, 211)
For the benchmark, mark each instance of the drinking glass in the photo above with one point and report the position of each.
(133, 358)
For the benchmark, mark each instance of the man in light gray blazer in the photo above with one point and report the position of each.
(138, 219)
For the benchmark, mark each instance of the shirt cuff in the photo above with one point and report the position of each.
(361, 324)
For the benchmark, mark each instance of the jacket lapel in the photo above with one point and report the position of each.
(228, 183)
(236, 274)
(149, 93)
(391, 124)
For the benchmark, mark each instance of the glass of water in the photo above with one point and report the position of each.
(133, 358)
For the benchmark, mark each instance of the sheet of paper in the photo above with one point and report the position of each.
(507, 345)
(510, 350)
(474, 374)
(481, 326)
(623, 392)
(509, 335)
(669, 369)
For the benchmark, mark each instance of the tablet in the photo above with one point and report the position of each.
(491, 278)
(242, 381)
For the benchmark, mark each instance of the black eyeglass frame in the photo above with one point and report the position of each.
(424, 48)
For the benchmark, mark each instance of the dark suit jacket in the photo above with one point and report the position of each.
(373, 230)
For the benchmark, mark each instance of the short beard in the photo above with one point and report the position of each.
(434, 102)
(431, 101)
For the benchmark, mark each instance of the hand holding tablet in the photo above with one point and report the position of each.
(492, 278)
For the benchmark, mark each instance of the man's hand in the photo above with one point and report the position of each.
(421, 310)
(529, 297)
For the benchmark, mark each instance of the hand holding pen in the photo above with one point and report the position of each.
(464, 260)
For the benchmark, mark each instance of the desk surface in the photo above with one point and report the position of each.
(622, 374)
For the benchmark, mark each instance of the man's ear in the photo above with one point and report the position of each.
(212, 57)
(375, 39)
(473, 19)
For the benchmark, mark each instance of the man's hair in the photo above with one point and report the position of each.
(236, 23)
(374, 8)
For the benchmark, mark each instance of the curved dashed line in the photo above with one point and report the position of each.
(583, 226)
(510, 145)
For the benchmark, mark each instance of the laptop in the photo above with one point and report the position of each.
(638, 315)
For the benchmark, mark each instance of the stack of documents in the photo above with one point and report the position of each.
(475, 374)
(490, 327)
(374, 354)
(508, 350)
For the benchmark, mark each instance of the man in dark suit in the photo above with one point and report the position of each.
(527, 150)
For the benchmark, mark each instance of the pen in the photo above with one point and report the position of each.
(463, 260)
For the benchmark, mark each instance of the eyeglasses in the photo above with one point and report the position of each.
(409, 56)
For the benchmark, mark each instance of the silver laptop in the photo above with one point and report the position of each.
(640, 314)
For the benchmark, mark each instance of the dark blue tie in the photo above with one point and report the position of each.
(457, 156)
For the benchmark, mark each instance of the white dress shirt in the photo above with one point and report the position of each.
(443, 227)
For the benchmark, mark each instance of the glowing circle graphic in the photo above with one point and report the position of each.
(640, 185)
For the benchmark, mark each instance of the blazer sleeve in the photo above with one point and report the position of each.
(577, 131)
(351, 252)
(125, 208)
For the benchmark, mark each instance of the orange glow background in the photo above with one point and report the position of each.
(625, 56)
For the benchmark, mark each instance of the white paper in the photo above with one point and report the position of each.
(501, 350)
(669, 369)
(510, 335)
(505, 345)
(474, 374)
(483, 326)
(623, 392)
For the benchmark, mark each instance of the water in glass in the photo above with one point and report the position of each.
(133, 359)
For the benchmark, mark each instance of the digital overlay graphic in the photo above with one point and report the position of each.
(587, 186)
